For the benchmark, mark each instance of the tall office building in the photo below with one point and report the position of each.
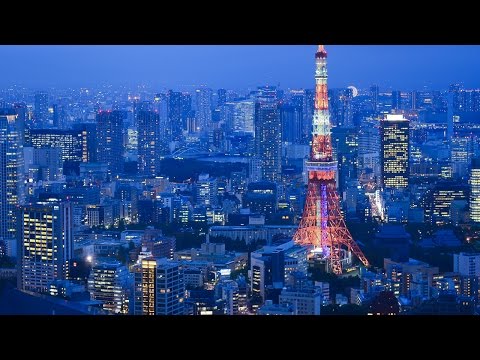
(267, 269)
(369, 149)
(440, 198)
(374, 91)
(340, 104)
(175, 110)
(149, 143)
(41, 107)
(206, 190)
(394, 135)
(11, 175)
(292, 119)
(22, 118)
(88, 132)
(243, 116)
(110, 140)
(159, 287)
(268, 139)
(46, 245)
(475, 191)
(396, 100)
(222, 97)
(73, 143)
(413, 95)
(203, 108)
(300, 100)
(108, 283)
(461, 151)
(160, 106)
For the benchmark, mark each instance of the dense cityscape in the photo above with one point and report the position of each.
(119, 200)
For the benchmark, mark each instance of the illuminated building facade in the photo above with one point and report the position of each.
(441, 200)
(41, 107)
(89, 141)
(110, 140)
(261, 197)
(203, 111)
(268, 139)
(108, 283)
(230, 296)
(46, 245)
(475, 191)
(149, 143)
(267, 268)
(159, 287)
(243, 116)
(73, 143)
(461, 149)
(11, 175)
(206, 190)
(394, 134)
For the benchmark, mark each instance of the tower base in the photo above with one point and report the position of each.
(319, 261)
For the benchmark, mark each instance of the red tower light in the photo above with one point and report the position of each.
(322, 225)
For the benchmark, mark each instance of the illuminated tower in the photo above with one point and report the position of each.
(322, 225)
(475, 191)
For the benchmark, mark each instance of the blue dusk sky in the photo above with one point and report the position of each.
(239, 66)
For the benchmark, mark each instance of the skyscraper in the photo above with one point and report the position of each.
(88, 133)
(46, 245)
(41, 107)
(268, 139)
(71, 142)
(243, 116)
(11, 174)
(394, 134)
(222, 97)
(160, 105)
(108, 283)
(204, 108)
(175, 128)
(475, 191)
(110, 140)
(149, 143)
(374, 95)
(159, 287)
(292, 119)
(369, 149)
(340, 102)
(396, 100)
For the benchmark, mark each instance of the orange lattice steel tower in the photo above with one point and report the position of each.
(322, 225)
